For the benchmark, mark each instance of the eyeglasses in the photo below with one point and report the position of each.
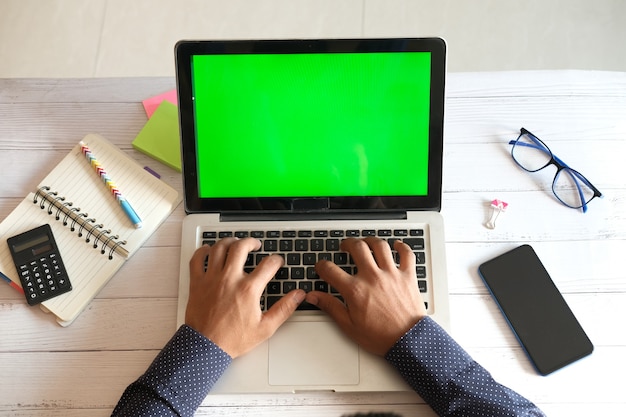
(569, 186)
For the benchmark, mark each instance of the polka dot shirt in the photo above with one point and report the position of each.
(178, 380)
(449, 380)
(429, 360)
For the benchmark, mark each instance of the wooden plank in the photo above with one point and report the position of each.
(531, 217)
(536, 84)
(46, 125)
(119, 324)
(486, 166)
(82, 90)
(575, 266)
(420, 410)
(553, 119)
(61, 412)
(66, 380)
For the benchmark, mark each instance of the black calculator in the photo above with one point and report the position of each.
(39, 264)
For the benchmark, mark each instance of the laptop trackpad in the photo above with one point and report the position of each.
(312, 353)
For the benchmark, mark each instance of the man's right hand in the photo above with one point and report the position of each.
(382, 301)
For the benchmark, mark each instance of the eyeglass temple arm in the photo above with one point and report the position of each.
(539, 147)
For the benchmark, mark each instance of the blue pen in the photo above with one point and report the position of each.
(130, 212)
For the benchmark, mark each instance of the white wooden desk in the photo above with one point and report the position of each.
(82, 370)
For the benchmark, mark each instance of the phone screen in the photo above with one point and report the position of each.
(535, 309)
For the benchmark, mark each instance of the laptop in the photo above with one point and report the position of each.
(302, 143)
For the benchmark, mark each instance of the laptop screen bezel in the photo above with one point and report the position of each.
(185, 50)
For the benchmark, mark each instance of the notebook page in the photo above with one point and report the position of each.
(75, 179)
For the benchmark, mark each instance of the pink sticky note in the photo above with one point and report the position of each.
(151, 104)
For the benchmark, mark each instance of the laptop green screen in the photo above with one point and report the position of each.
(311, 125)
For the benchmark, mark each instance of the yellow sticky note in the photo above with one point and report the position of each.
(160, 138)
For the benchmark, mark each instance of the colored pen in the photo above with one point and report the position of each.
(130, 212)
(11, 283)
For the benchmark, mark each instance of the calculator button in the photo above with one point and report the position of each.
(43, 279)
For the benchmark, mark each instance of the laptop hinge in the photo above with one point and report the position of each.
(236, 217)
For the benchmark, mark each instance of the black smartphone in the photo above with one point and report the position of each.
(535, 309)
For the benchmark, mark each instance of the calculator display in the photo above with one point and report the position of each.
(39, 265)
(31, 243)
(42, 249)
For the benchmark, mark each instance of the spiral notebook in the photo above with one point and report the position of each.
(94, 235)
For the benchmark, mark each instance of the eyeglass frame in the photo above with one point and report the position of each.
(560, 166)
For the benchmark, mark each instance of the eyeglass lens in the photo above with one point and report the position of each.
(531, 153)
(569, 186)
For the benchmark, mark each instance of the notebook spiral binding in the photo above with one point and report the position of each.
(65, 211)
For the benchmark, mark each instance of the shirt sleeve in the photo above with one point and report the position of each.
(449, 380)
(178, 380)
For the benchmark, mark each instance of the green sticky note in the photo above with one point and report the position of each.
(160, 138)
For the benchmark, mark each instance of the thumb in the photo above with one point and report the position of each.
(331, 306)
(282, 310)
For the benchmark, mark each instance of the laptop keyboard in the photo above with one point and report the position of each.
(301, 249)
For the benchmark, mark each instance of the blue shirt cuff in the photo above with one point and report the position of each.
(448, 379)
(178, 379)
